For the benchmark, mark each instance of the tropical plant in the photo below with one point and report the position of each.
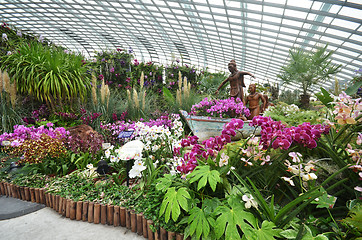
(172, 75)
(356, 84)
(48, 73)
(289, 96)
(113, 66)
(292, 115)
(209, 82)
(353, 221)
(12, 37)
(308, 69)
(152, 73)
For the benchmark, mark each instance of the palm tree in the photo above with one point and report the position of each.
(307, 69)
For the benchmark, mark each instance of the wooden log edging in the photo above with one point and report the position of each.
(91, 212)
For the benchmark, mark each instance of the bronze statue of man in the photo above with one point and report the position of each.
(236, 80)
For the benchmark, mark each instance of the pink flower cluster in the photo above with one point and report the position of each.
(21, 133)
(219, 107)
(210, 147)
(279, 136)
(88, 118)
(67, 116)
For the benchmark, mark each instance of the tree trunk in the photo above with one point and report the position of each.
(304, 101)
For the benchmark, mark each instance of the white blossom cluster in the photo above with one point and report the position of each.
(157, 138)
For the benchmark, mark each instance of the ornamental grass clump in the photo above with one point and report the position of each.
(139, 102)
(9, 109)
(220, 108)
(47, 73)
(9, 87)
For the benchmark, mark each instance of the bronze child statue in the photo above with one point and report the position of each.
(236, 80)
(253, 100)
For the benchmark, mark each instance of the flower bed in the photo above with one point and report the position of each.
(270, 185)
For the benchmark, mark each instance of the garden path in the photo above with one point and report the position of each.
(45, 224)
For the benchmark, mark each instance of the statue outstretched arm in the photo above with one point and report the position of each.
(222, 84)
(247, 73)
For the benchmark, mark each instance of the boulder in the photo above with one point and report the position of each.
(83, 132)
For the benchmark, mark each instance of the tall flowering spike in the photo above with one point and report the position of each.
(13, 94)
(94, 89)
(142, 80)
(107, 94)
(1, 83)
(186, 93)
(129, 95)
(179, 80)
(135, 99)
(103, 92)
(143, 100)
(6, 82)
(178, 97)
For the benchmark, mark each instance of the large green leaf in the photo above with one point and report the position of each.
(231, 218)
(164, 183)
(351, 90)
(168, 96)
(325, 97)
(172, 202)
(355, 217)
(307, 234)
(266, 232)
(200, 223)
(204, 175)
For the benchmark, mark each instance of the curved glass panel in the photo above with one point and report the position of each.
(205, 33)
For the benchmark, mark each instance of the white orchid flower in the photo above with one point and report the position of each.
(131, 150)
(137, 169)
(107, 153)
(249, 201)
(288, 180)
(309, 176)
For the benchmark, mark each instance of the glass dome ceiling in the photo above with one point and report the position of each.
(204, 33)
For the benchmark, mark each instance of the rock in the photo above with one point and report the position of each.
(83, 132)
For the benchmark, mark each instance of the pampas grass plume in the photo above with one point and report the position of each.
(6, 82)
(143, 100)
(1, 83)
(142, 80)
(179, 80)
(94, 89)
(135, 99)
(13, 94)
(178, 96)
